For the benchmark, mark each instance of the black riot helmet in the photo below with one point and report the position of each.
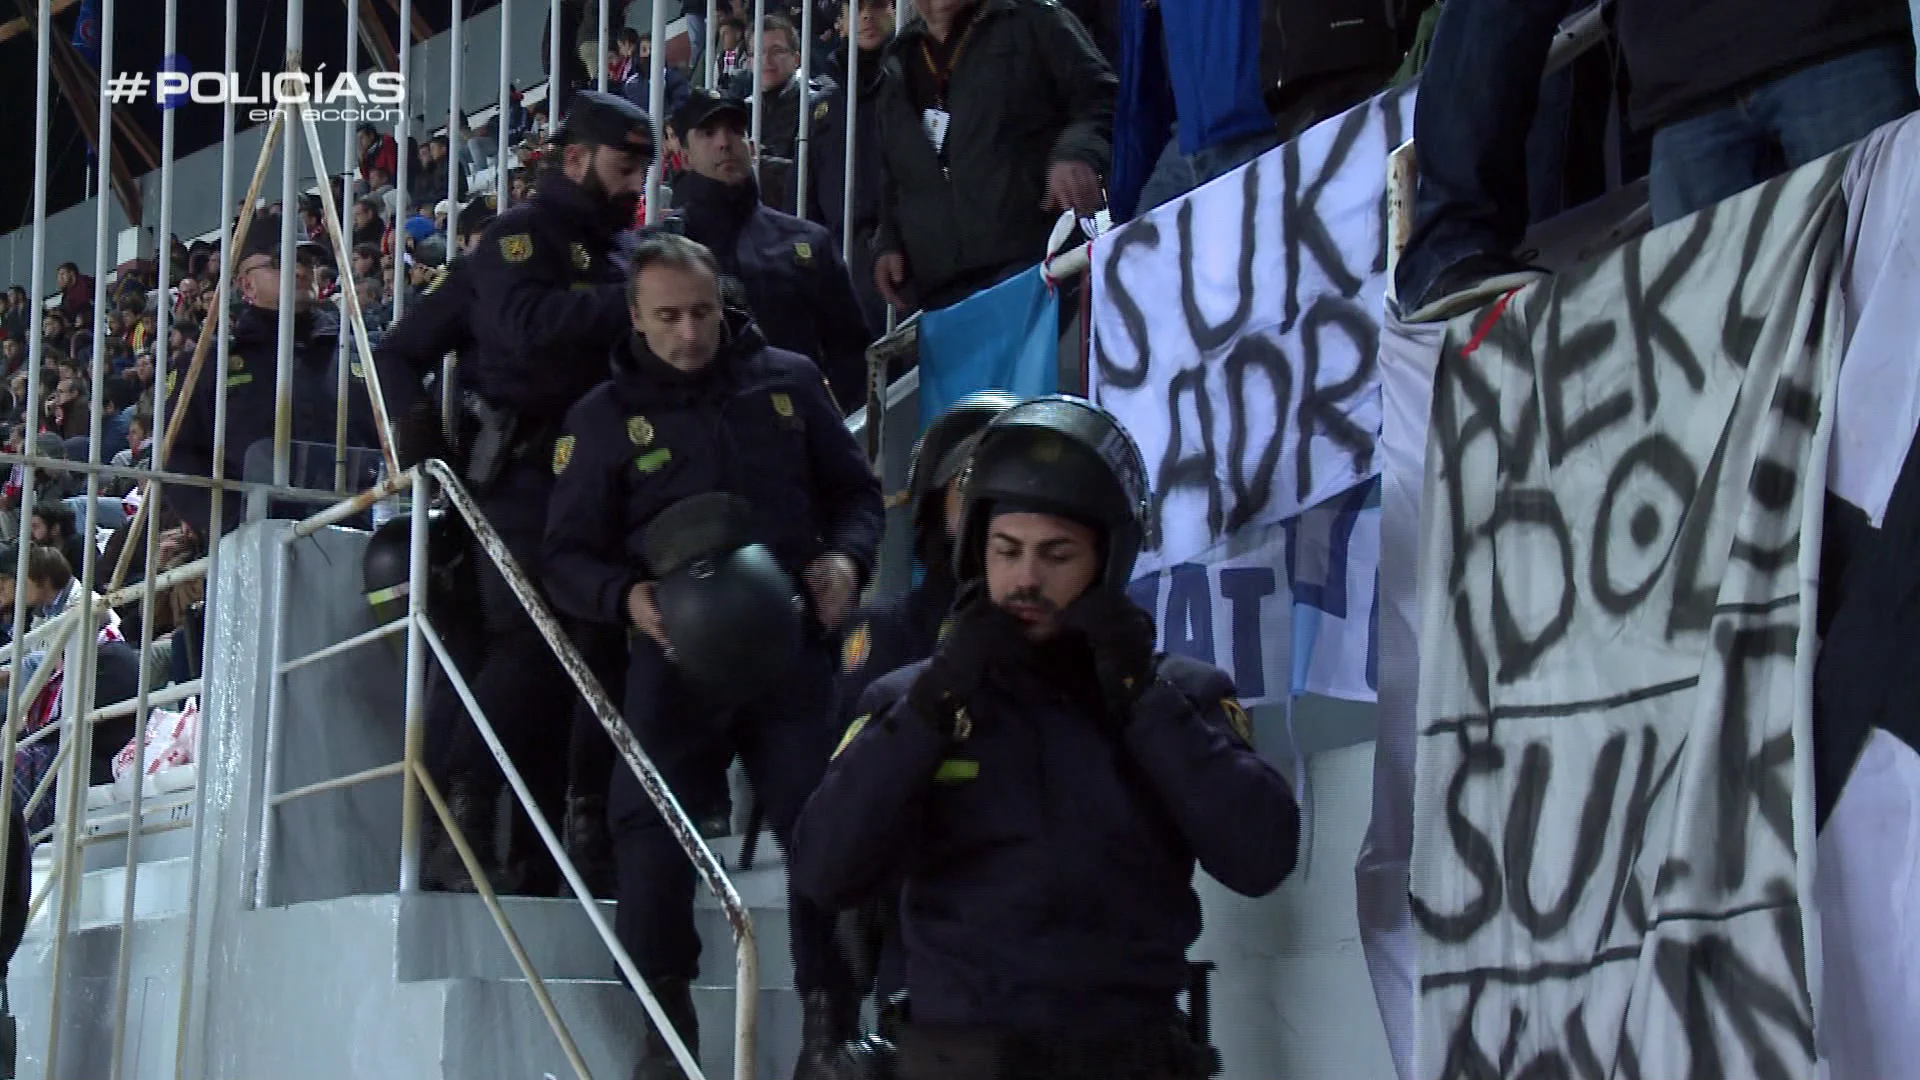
(938, 457)
(730, 611)
(383, 566)
(1061, 455)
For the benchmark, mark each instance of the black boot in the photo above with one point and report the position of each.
(676, 1000)
(440, 867)
(588, 843)
(828, 1019)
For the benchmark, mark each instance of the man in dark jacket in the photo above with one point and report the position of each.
(252, 378)
(780, 117)
(827, 166)
(1046, 784)
(790, 270)
(699, 404)
(1734, 93)
(995, 116)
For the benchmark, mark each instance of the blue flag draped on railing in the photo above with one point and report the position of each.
(86, 31)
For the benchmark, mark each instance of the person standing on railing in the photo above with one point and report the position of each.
(548, 304)
(252, 376)
(1046, 784)
(995, 116)
(700, 404)
(790, 269)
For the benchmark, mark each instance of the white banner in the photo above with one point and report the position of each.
(1234, 333)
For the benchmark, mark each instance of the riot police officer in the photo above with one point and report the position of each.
(547, 306)
(700, 404)
(1046, 783)
(252, 379)
(790, 268)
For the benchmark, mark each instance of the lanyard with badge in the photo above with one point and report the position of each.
(935, 118)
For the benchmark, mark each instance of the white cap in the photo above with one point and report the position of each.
(442, 207)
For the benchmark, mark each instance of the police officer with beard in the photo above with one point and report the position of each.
(548, 303)
(698, 405)
(1045, 784)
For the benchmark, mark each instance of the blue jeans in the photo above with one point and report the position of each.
(1777, 127)
(1175, 173)
(1476, 104)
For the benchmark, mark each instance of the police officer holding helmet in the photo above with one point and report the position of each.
(1046, 784)
(547, 306)
(711, 461)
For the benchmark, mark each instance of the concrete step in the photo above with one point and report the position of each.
(161, 891)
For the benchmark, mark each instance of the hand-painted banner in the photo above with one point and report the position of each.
(1285, 609)
(1234, 333)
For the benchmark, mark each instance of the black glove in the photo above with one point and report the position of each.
(981, 633)
(1121, 637)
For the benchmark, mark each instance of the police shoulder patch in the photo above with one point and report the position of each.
(581, 260)
(516, 248)
(856, 649)
(820, 112)
(803, 252)
(782, 404)
(1238, 720)
(439, 278)
(639, 430)
(562, 454)
(853, 732)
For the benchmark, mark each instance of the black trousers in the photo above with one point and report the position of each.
(783, 739)
(1150, 1053)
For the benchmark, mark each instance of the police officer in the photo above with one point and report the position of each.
(699, 403)
(252, 378)
(795, 281)
(1046, 783)
(547, 306)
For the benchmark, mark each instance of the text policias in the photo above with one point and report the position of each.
(355, 98)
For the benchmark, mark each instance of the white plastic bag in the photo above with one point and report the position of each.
(173, 740)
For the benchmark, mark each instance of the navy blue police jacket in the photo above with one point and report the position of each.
(1048, 863)
(757, 422)
(252, 378)
(890, 634)
(414, 347)
(548, 302)
(796, 283)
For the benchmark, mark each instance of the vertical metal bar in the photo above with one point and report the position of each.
(802, 123)
(403, 154)
(289, 204)
(276, 695)
(708, 35)
(757, 35)
(851, 114)
(456, 114)
(416, 685)
(556, 76)
(72, 807)
(657, 103)
(500, 187)
(349, 138)
(600, 78)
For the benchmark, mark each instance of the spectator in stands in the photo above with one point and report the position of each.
(76, 289)
(827, 166)
(976, 178)
(368, 227)
(55, 525)
(67, 410)
(626, 55)
(13, 353)
(19, 318)
(251, 379)
(1733, 92)
(780, 116)
(734, 56)
(428, 180)
(637, 87)
(377, 151)
(379, 185)
(788, 269)
(517, 186)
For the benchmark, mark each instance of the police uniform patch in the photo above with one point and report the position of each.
(653, 460)
(516, 248)
(439, 278)
(820, 112)
(581, 260)
(853, 731)
(803, 252)
(783, 405)
(562, 453)
(639, 430)
(946, 624)
(1238, 720)
(858, 646)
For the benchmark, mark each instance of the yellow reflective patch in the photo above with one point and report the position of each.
(653, 460)
(858, 646)
(562, 453)
(241, 379)
(581, 260)
(516, 248)
(946, 624)
(783, 405)
(1238, 720)
(803, 252)
(639, 430)
(853, 730)
(955, 770)
(820, 112)
(439, 278)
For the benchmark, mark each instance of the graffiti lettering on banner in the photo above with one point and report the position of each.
(1235, 330)
(1622, 468)
(1287, 607)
